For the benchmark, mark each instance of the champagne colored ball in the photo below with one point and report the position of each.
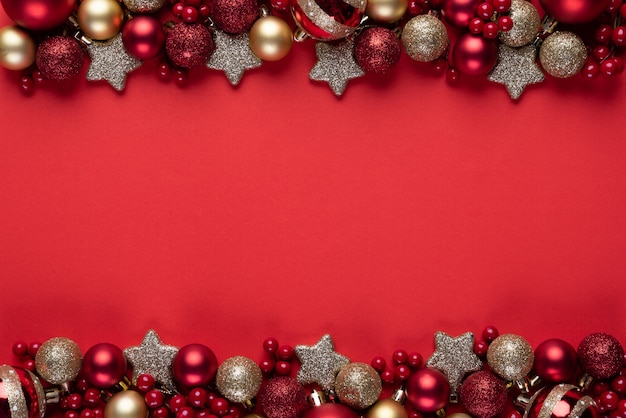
(58, 360)
(387, 408)
(425, 38)
(17, 48)
(526, 22)
(271, 38)
(358, 385)
(563, 54)
(510, 356)
(239, 379)
(386, 11)
(127, 404)
(100, 19)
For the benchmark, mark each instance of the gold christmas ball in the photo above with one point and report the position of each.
(358, 385)
(17, 48)
(387, 408)
(424, 38)
(458, 415)
(510, 356)
(271, 38)
(526, 23)
(386, 11)
(563, 54)
(58, 360)
(126, 404)
(239, 379)
(100, 19)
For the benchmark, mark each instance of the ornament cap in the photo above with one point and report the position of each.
(316, 398)
(399, 396)
(299, 35)
(53, 395)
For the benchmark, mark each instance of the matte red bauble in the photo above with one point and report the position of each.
(459, 12)
(143, 36)
(574, 11)
(427, 390)
(195, 365)
(555, 361)
(104, 365)
(331, 410)
(560, 401)
(38, 14)
(474, 55)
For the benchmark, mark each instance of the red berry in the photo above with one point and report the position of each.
(379, 364)
(452, 76)
(476, 25)
(609, 68)
(501, 6)
(591, 69)
(599, 387)
(190, 14)
(484, 11)
(388, 376)
(197, 397)
(270, 345)
(490, 333)
(285, 352)
(601, 52)
(177, 9)
(145, 382)
(604, 34)
(154, 399)
(20, 348)
(177, 402)
(415, 360)
(33, 348)
(164, 71)
(505, 23)
(402, 372)
(619, 35)
(283, 368)
(30, 365)
(400, 357)
(185, 412)
(480, 348)
(267, 366)
(220, 406)
(439, 65)
(38, 77)
(181, 76)
(86, 413)
(204, 11)
(490, 31)
(74, 401)
(161, 412)
(609, 399)
(71, 414)
(613, 6)
(91, 396)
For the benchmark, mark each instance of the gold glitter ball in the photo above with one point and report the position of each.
(526, 23)
(239, 379)
(58, 360)
(563, 54)
(510, 357)
(143, 6)
(358, 385)
(424, 38)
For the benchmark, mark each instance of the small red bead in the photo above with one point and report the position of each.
(416, 7)
(512, 414)
(490, 31)
(415, 360)
(622, 13)
(63, 402)
(613, 6)
(39, 77)
(185, 412)
(82, 384)
(91, 396)
(154, 399)
(501, 6)
(619, 64)
(439, 65)
(176, 402)
(20, 348)
(283, 368)
(194, 3)
(400, 357)
(71, 414)
(220, 406)
(601, 52)
(505, 23)
(190, 14)
(599, 387)
(476, 25)
(621, 406)
(619, 35)
(591, 69)
(379, 364)
(270, 345)
(177, 9)
(267, 366)
(609, 399)
(480, 348)
(415, 414)
(33, 348)
(181, 76)
(74, 401)
(203, 413)
(86, 413)
(485, 11)
(161, 412)
(145, 382)
(98, 412)
(280, 5)
(452, 76)
(204, 11)
(388, 376)
(285, 353)
(609, 68)
(604, 34)
(197, 397)
(618, 384)
(402, 372)
(30, 365)
(164, 71)
(234, 412)
(490, 333)
(209, 397)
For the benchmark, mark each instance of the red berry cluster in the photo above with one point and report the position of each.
(191, 11)
(84, 402)
(489, 334)
(610, 36)
(419, 7)
(491, 20)
(401, 368)
(26, 352)
(610, 396)
(278, 358)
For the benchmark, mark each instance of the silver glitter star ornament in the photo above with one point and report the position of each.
(232, 55)
(111, 61)
(335, 65)
(516, 69)
(454, 357)
(319, 363)
(154, 358)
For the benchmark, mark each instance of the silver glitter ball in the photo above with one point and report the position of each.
(510, 357)
(563, 54)
(425, 38)
(143, 6)
(526, 23)
(58, 360)
(358, 385)
(239, 379)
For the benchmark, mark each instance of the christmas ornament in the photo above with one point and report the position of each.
(195, 365)
(377, 50)
(386, 11)
(283, 397)
(321, 409)
(555, 361)
(319, 363)
(58, 360)
(563, 54)
(38, 15)
(233, 56)
(570, 11)
(335, 65)
(154, 358)
(60, 58)
(111, 62)
(21, 394)
(358, 385)
(427, 390)
(425, 38)
(328, 20)
(454, 357)
(270, 38)
(239, 379)
(601, 355)
(474, 55)
(516, 69)
(100, 19)
(483, 394)
(526, 23)
(17, 48)
(459, 12)
(143, 6)
(234, 16)
(389, 408)
(511, 357)
(143, 37)
(104, 365)
(126, 404)
(189, 46)
(561, 401)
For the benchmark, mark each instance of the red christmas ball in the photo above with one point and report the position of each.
(377, 50)
(459, 12)
(474, 55)
(143, 36)
(17, 383)
(601, 355)
(234, 16)
(59, 58)
(189, 46)
(38, 14)
(104, 365)
(556, 361)
(565, 401)
(574, 11)
(427, 390)
(483, 394)
(283, 397)
(195, 365)
(331, 410)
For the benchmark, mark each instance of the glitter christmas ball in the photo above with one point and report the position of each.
(60, 58)
(358, 385)
(575, 12)
(143, 36)
(377, 50)
(143, 6)
(510, 356)
(104, 365)
(21, 393)
(328, 20)
(424, 38)
(563, 54)
(189, 46)
(560, 401)
(283, 397)
(427, 390)
(239, 379)
(234, 16)
(474, 55)
(58, 360)
(526, 22)
(601, 355)
(555, 361)
(195, 365)
(483, 394)
(38, 14)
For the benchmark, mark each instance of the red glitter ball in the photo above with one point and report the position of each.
(483, 394)
(234, 16)
(189, 46)
(59, 58)
(283, 397)
(377, 50)
(601, 355)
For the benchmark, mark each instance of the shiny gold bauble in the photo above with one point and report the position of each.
(126, 404)
(271, 38)
(100, 19)
(386, 11)
(17, 48)
(387, 408)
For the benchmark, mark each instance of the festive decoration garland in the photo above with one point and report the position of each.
(497, 39)
(499, 376)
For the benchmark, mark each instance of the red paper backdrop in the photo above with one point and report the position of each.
(224, 215)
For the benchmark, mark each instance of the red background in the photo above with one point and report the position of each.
(224, 215)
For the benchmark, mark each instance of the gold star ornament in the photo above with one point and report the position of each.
(516, 69)
(232, 55)
(111, 61)
(336, 65)
(319, 363)
(154, 358)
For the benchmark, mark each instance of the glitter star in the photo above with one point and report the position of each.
(516, 69)
(319, 363)
(454, 357)
(154, 358)
(111, 62)
(335, 65)
(233, 56)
